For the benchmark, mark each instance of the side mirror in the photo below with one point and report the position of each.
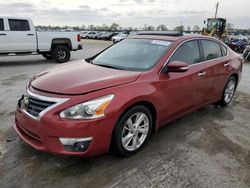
(176, 66)
(204, 21)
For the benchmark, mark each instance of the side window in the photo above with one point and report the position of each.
(1, 25)
(224, 50)
(19, 25)
(211, 49)
(188, 52)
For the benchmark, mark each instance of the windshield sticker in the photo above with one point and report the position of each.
(161, 42)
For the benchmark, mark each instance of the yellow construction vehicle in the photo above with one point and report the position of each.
(216, 27)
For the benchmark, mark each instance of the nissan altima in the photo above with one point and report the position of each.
(119, 97)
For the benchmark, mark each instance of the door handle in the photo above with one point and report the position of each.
(30, 34)
(3, 34)
(226, 64)
(202, 74)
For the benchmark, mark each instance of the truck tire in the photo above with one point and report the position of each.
(47, 56)
(61, 54)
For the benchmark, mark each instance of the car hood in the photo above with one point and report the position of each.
(80, 77)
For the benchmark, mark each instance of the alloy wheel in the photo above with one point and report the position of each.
(135, 131)
(229, 91)
(61, 54)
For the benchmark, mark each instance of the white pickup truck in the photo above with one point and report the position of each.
(19, 37)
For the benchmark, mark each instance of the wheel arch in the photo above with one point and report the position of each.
(236, 76)
(61, 41)
(144, 103)
(149, 105)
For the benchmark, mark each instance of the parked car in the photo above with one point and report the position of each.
(84, 34)
(119, 37)
(18, 36)
(109, 36)
(237, 45)
(103, 37)
(246, 53)
(100, 37)
(92, 34)
(118, 97)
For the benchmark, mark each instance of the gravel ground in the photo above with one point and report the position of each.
(206, 148)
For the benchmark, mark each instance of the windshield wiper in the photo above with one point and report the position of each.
(108, 66)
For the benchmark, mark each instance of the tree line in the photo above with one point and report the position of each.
(117, 27)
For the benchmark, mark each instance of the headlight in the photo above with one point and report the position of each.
(88, 110)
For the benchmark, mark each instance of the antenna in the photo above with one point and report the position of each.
(217, 7)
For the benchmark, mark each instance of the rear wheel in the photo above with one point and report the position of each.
(61, 54)
(228, 92)
(47, 56)
(132, 131)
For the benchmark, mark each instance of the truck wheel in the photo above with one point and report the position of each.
(47, 56)
(61, 54)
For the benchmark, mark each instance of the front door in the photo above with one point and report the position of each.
(183, 91)
(21, 38)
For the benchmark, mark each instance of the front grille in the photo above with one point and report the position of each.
(34, 106)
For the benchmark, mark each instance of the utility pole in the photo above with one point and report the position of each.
(216, 11)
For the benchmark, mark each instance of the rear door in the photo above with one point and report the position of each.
(218, 67)
(21, 36)
(184, 91)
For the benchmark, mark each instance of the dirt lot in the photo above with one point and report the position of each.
(207, 148)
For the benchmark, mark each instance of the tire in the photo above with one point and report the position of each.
(127, 133)
(228, 92)
(47, 56)
(61, 54)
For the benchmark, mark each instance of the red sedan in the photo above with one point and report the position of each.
(117, 98)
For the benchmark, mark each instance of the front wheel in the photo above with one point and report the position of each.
(61, 54)
(132, 131)
(228, 92)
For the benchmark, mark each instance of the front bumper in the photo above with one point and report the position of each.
(44, 134)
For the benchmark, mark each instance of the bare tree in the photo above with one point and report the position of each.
(179, 28)
(162, 27)
(114, 27)
(196, 28)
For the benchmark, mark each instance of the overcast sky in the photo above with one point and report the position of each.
(126, 13)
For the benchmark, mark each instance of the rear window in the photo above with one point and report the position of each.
(1, 25)
(19, 25)
(211, 49)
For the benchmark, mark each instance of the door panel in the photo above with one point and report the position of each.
(20, 36)
(217, 68)
(217, 77)
(183, 91)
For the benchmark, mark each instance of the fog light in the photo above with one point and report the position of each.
(75, 144)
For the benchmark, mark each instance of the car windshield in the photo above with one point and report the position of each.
(133, 54)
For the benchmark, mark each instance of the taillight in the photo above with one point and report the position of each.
(78, 37)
